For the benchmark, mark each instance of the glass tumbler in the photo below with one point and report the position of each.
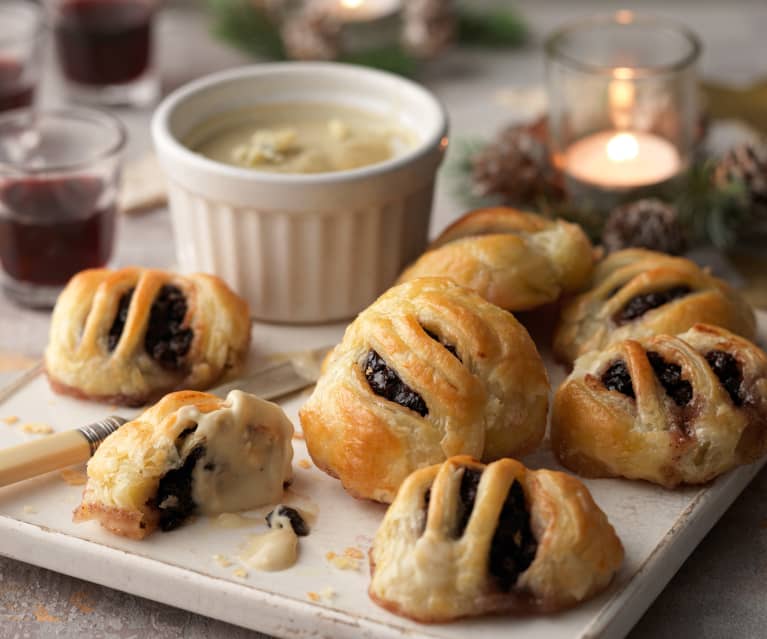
(623, 105)
(21, 37)
(59, 174)
(104, 49)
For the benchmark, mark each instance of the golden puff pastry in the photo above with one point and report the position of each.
(428, 371)
(130, 335)
(464, 539)
(637, 293)
(516, 260)
(666, 409)
(189, 453)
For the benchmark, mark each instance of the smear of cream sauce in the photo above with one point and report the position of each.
(273, 550)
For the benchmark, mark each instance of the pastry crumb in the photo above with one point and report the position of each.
(342, 562)
(241, 573)
(10, 420)
(305, 463)
(81, 601)
(37, 428)
(30, 510)
(43, 616)
(297, 435)
(328, 593)
(222, 561)
(354, 553)
(73, 477)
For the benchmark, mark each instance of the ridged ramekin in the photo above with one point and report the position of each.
(301, 248)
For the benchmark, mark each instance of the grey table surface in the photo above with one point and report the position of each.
(720, 589)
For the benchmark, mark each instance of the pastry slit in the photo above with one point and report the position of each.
(670, 377)
(384, 381)
(468, 495)
(426, 503)
(641, 304)
(450, 347)
(618, 378)
(168, 338)
(121, 317)
(513, 546)
(727, 370)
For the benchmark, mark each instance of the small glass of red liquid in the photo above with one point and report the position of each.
(21, 37)
(104, 48)
(59, 174)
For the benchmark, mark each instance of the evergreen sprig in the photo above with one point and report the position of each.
(498, 28)
(246, 27)
(708, 212)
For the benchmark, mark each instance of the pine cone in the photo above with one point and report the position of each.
(311, 35)
(746, 165)
(430, 26)
(516, 166)
(648, 223)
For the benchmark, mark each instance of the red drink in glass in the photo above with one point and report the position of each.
(102, 42)
(15, 90)
(54, 228)
(21, 30)
(58, 190)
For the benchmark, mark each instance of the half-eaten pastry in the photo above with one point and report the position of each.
(189, 453)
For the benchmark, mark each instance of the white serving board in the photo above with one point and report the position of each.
(658, 528)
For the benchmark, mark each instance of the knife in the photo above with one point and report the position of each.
(76, 446)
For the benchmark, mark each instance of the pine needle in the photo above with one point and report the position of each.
(393, 59)
(246, 27)
(499, 28)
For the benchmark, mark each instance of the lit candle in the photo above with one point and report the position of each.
(363, 10)
(366, 24)
(622, 159)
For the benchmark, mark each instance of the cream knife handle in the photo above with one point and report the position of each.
(54, 451)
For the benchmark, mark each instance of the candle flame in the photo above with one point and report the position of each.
(623, 73)
(622, 147)
(351, 4)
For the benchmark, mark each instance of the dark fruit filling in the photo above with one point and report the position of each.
(167, 341)
(513, 547)
(385, 382)
(639, 305)
(297, 522)
(449, 347)
(467, 495)
(174, 494)
(617, 378)
(670, 376)
(726, 368)
(116, 330)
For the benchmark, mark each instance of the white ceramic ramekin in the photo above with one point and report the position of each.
(301, 248)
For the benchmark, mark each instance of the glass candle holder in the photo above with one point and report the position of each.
(623, 106)
(104, 49)
(21, 39)
(58, 191)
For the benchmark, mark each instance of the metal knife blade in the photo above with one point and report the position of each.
(280, 378)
